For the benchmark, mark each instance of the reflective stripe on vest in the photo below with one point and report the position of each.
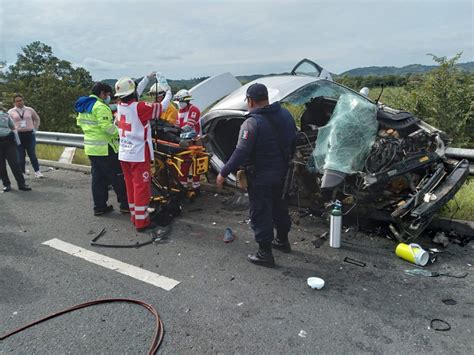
(83, 121)
(88, 142)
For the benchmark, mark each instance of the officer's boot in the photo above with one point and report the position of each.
(281, 243)
(264, 256)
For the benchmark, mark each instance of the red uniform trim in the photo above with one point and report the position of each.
(148, 111)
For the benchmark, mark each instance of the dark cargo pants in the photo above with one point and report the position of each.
(105, 171)
(267, 211)
(8, 153)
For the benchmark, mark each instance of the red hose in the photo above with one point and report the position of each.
(157, 335)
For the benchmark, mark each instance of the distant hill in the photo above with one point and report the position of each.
(189, 83)
(175, 84)
(408, 69)
(366, 71)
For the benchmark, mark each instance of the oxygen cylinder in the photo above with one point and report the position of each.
(335, 225)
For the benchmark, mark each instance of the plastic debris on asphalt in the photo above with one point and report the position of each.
(228, 235)
(441, 238)
(302, 334)
(315, 283)
(440, 325)
(427, 273)
(449, 302)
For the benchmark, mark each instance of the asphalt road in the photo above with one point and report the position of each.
(223, 304)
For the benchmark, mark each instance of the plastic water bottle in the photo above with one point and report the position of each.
(335, 225)
(162, 80)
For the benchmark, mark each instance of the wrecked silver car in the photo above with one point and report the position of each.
(380, 162)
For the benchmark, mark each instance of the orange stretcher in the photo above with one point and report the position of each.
(167, 167)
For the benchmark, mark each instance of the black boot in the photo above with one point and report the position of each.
(263, 257)
(281, 243)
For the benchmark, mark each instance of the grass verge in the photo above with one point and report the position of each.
(462, 205)
(53, 152)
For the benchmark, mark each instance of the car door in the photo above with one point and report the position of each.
(310, 68)
(213, 89)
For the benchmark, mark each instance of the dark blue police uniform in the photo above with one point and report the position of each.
(266, 140)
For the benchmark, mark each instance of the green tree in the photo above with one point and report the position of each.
(50, 85)
(445, 99)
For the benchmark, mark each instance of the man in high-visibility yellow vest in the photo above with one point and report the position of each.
(101, 146)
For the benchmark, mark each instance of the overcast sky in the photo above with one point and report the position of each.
(185, 39)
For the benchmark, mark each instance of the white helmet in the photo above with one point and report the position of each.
(124, 87)
(158, 88)
(182, 95)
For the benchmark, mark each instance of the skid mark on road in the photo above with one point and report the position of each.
(140, 274)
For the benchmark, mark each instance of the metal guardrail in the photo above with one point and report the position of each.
(460, 153)
(77, 140)
(62, 139)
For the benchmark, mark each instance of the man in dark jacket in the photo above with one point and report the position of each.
(266, 142)
(8, 153)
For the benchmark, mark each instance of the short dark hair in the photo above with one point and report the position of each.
(101, 87)
(17, 95)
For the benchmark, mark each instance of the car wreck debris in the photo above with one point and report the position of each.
(440, 325)
(354, 262)
(228, 235)
(413, 253)
(427, 273)
(382, 163)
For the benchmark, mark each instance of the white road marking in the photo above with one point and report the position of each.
(115, 265)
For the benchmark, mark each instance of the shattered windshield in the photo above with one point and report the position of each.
(345, 141)
(296, 101)
(346, 124)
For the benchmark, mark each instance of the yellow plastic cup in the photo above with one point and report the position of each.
(412, 253)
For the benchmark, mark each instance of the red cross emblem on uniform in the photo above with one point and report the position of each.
(124, 126)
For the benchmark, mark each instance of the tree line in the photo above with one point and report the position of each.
(443, 97)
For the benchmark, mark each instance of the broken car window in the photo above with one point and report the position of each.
(344, 143)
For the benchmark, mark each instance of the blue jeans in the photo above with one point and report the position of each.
(28, 145)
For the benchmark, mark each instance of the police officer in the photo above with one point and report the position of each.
(101, 146)
(266, 142)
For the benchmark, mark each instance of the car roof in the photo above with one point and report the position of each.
(279, 87)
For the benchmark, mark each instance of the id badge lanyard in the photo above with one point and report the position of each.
(22, 120)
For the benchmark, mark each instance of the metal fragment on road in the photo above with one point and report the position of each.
(354, 262)
(449, 302)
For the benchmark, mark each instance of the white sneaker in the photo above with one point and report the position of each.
(38, 174)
